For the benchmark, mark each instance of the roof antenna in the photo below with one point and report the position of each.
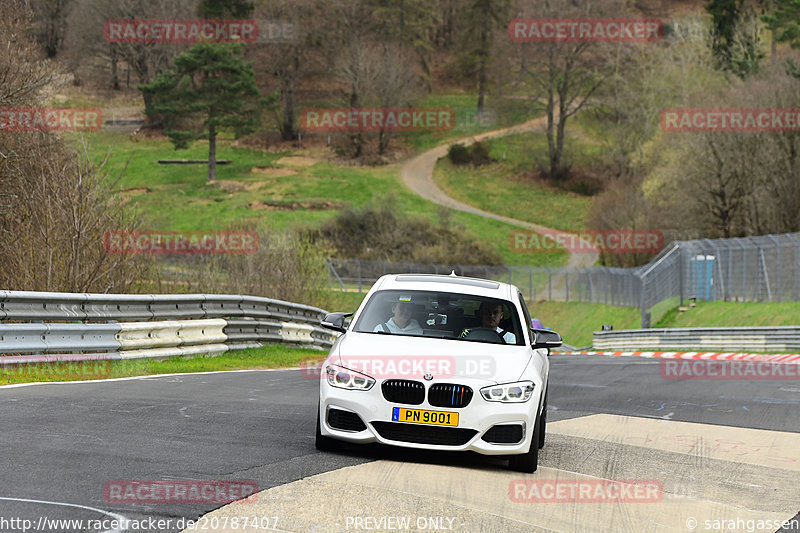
(453, 274)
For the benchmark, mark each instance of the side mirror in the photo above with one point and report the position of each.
(335, 321)
(543, 338)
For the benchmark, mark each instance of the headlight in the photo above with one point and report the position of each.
(344, 378)
(508, 393)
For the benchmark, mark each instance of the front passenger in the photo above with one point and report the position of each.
(401, 323)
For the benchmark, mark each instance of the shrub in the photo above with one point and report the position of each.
(379, 232)
(458, 154)
(476, 154)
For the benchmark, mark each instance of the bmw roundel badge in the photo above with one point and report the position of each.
(428, 377)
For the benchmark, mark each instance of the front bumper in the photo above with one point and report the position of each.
(479, 416)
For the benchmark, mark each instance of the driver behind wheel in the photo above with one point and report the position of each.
(491, 313)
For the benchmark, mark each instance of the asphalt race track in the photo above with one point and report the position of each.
(725, 454)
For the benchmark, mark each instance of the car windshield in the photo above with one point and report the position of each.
(441, 315)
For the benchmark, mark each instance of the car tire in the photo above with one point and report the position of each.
(323, 443)
(543, 423)
(528, 462)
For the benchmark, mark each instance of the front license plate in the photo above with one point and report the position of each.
(420, 416)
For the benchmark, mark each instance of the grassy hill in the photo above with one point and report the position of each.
(286, 189)
(508, 186)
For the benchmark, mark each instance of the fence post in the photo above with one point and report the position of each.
(680, 272)
(530, 283)
(566, 281)
(796, 267)
(778, 282)
(359, 275)
(730, 273)
(550, 284)
(332, 270)
(744, 269)
(643, 305)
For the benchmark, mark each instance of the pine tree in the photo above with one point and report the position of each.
(208, 89)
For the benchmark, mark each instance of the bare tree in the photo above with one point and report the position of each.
(565, 75)
(23, 75)
(90, 50)
(375, 74)
(480, 22)
(296, 61)
(56, 206)
(49, 22)
(728, 183)
(410, 24)
(643, 81)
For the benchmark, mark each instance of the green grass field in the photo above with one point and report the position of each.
(283, 192)
(272, 356)
(576, 322)
(733, 314)
(467, 123)
(501, 188)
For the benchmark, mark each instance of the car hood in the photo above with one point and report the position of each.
(403, 357)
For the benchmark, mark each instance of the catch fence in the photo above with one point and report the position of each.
(750, 269)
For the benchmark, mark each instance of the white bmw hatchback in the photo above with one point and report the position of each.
(438, 363)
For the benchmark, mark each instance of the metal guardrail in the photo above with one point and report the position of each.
(755, 339)
(123, 326)
(55, 338)
(27, 306)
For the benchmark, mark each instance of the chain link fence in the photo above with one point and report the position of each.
(753, 269)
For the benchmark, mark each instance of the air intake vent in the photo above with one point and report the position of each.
(504, 434)
(403, 391)
(345, 420)
(447, 395)
(424, 434)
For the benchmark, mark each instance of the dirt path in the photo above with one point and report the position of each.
(417, 174)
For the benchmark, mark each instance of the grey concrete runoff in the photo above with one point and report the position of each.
(609, 419)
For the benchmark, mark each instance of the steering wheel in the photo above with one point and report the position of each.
(482, 334)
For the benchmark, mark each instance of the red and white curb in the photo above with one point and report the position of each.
(714, 356)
